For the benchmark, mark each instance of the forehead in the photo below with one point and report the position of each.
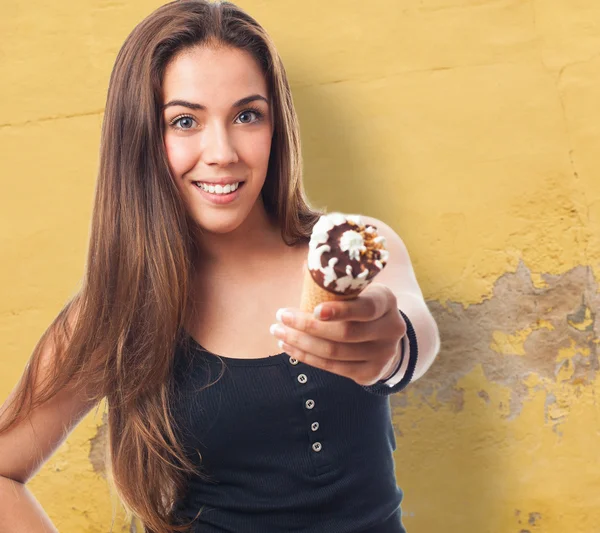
(212, 76)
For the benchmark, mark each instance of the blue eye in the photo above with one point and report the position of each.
(254, 110)
(179, 120)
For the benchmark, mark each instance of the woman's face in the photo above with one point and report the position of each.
(209, 135)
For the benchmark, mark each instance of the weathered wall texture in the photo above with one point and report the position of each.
(471, 127)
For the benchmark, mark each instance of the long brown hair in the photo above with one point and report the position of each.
(116, 337)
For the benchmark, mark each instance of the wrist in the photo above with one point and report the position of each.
(396, 361)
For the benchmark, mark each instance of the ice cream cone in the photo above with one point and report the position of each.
(313, 294)
(343, 258)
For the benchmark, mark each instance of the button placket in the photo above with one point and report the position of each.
(309, 404)
(316, 446)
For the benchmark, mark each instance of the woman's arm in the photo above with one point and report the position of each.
(20, 511)
(28, 444)
(399, 276)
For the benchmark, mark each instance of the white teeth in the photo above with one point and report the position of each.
(218, 189)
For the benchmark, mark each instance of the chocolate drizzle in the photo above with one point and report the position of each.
(366, 262)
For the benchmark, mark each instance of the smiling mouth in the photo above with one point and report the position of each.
(219, 190)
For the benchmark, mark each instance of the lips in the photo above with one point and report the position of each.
(219, 199)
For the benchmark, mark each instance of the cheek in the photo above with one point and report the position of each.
(179, 157)
(259, 150)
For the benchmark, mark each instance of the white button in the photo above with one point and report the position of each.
(310, 404)
(293, 361)
(317, 446)
(302, 378)
(314, 426)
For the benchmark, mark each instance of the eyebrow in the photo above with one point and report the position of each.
(240, 103)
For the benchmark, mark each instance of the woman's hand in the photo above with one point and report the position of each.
(358, 339)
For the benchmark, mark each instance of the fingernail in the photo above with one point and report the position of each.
(277, 330)
(283, 315)
(323, 314)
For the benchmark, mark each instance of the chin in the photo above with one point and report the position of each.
(219, 224)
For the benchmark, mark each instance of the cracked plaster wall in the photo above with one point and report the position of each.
(471, 127)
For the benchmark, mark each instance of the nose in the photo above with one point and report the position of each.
(218, 147)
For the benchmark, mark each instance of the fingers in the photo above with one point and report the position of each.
(360, 371)
(374, 302)
(323, 348)
(342, 331)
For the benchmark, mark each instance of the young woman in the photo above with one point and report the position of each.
(210, 417)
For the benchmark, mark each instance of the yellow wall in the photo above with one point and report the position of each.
(471, 127)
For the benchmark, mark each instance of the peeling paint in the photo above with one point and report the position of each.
(484, 395)
(99, 448)
(548, 320)
(534, 518)
(582, 319)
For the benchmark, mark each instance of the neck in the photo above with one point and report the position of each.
(249, 246)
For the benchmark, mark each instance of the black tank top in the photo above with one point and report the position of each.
(287, 446)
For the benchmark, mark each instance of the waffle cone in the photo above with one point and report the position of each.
(313, 294)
